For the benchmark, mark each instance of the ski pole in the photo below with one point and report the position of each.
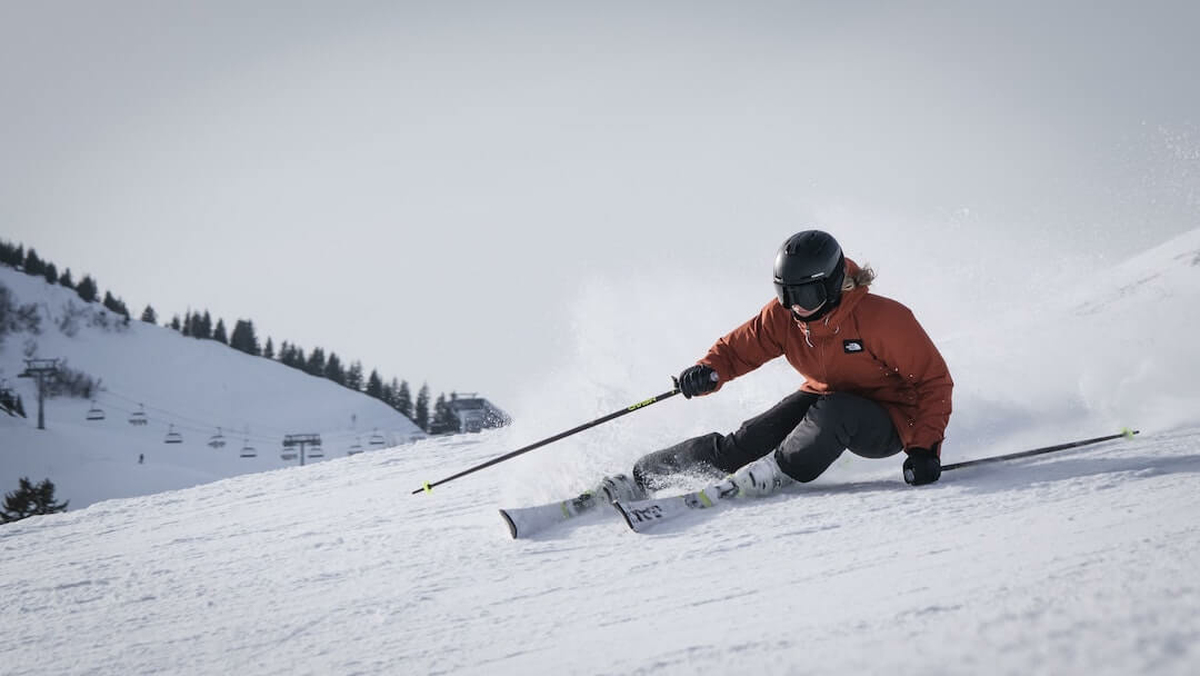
(428, 487)
(1127, 433)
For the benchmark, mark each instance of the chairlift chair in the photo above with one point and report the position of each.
(316, 452)
(138, 417)
(173, 437)
(95, 412)
(248, 450)
(377, 439)
(355, 448)
(288, 454)
(217, 440)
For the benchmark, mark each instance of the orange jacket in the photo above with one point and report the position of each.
(869, 345)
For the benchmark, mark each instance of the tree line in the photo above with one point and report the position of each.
(243, 337)
(30, 499)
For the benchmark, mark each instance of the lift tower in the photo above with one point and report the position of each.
(45, 370)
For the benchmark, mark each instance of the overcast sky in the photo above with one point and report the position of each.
(468, 193)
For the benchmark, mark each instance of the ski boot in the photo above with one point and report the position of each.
(620, 487)
(759, 478)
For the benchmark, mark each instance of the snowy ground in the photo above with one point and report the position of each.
(1081, 562)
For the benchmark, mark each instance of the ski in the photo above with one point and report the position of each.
(641, 515)
(525, 521)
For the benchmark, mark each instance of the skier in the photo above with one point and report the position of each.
(874, 383)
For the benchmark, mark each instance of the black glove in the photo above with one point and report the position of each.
(697, 380)
(921, 467)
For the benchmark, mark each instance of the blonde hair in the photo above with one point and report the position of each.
(863, 277)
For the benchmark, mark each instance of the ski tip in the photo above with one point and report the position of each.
(512, 527)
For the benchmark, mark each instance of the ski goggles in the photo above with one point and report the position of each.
(809, 296)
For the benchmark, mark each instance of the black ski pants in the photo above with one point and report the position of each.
(806, 431)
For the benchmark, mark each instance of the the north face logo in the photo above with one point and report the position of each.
(851, 346)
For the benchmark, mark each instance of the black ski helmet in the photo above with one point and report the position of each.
(809, 271)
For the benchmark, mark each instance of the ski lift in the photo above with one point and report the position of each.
(173, 437)
(248, 450)
(377, 440)
(355, 448)
(316, 452)
(95, 412)
(217, 440)
(287, 454)
(138, 417)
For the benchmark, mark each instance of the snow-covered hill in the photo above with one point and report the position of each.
(195, 387)
(1081, 562)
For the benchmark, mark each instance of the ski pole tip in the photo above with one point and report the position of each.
(427, 487)
(1128, 433)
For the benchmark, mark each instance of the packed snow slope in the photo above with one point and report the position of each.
(198, 388)
(1080, 562)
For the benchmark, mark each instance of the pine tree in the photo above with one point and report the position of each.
(30, 500)
(20, 407)
(269, 350)
(286, 354)
(34, 265)
(109, 301)
(8, 254)
(51, 273)
(421, 411)
(149, 315)
(175, 324)
(354, 376)
(392, 394)
(444, 420)
(435, 422)
(334, 370)
(244, 338)
(115, 304)
(219, 333)
(315, 366)
(375, 385)
(206, 327)
(387, 395)
(87, 289)
(65, 279)
(404, 402)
